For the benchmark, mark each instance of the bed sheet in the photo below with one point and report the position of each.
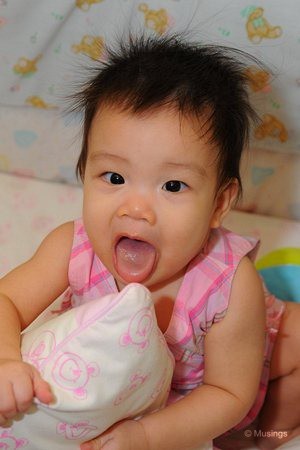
(29, 210)
(44, 45)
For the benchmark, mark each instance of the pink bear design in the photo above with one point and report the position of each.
(9, 442)
(73, 374)
(40, 349)
(75, 430)
(158, 388)
(139, 330)
(136, 381)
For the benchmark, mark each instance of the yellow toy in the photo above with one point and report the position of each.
(271, 127)
(258, 79)
(90, 45)
(280, 270)
(38, 102)
(156, 20)
(25, 66)
(85, 5)
(258, 27)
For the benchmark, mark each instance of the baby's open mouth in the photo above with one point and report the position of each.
(134, 259)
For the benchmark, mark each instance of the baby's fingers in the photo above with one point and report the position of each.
(23, 393)
(8, 404)
(42, 390)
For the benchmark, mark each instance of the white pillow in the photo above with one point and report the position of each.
(105, 360)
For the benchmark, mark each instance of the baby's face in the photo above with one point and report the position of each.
(149, 194)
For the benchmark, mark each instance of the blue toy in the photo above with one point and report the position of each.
(280, 270)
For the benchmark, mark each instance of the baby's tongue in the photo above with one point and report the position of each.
(134, 259)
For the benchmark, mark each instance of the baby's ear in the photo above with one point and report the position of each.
(223, 203)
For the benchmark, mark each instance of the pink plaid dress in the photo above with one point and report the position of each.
(202, 300)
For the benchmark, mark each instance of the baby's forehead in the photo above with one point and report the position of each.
(162, 134)
(164, 126)
(199, 121)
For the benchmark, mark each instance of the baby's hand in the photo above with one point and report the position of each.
(125, 435)
(19, 383)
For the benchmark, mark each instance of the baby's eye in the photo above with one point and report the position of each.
(113, 178)
(174, 186)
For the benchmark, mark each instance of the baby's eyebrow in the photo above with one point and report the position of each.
(103, 155)
(186, 166)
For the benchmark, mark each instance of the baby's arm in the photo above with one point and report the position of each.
(233, 363)
(24, 293)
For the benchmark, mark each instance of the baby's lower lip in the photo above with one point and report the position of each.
(134, 259)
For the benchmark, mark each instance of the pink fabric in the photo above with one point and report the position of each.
(88, 277)
(202, 301)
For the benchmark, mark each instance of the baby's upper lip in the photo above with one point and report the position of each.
(133, 236)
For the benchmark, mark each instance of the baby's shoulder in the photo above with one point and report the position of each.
(247, 295)
(58, 241)
(63, 232)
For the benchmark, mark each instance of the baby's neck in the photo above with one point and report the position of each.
(164, 300)
(164, 297)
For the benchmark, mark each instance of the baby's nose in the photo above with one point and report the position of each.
(138, 207)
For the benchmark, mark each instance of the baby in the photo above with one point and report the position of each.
(165, 124)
